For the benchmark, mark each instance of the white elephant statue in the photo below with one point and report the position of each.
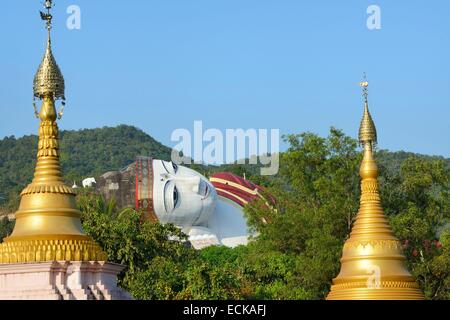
(89, 182)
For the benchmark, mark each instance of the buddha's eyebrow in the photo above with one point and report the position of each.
(164, 165)
(164, 196)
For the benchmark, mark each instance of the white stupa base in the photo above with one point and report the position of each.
(67, 280)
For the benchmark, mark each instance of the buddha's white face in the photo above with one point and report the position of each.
(181, 195)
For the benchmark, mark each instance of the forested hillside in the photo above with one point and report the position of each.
(89, 152)
(92, 152)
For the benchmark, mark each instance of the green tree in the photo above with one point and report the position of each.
(6, 228)
(417, 200)
(159, 263)
(125, 239)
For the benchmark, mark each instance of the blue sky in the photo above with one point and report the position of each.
(273, 64)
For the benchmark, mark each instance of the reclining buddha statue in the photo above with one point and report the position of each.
(210, 211)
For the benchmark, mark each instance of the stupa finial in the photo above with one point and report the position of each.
(48, 4)
(49, 81)
(367, 129)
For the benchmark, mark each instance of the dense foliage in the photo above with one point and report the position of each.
(159, 263)
(417, 200)
(299, 243)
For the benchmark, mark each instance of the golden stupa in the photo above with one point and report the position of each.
(48, 226)
(373, 265)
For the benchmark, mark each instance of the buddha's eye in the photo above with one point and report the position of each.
(175, 196)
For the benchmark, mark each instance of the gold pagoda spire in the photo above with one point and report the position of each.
(48, 226)
(367, 130)
(372, 265)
